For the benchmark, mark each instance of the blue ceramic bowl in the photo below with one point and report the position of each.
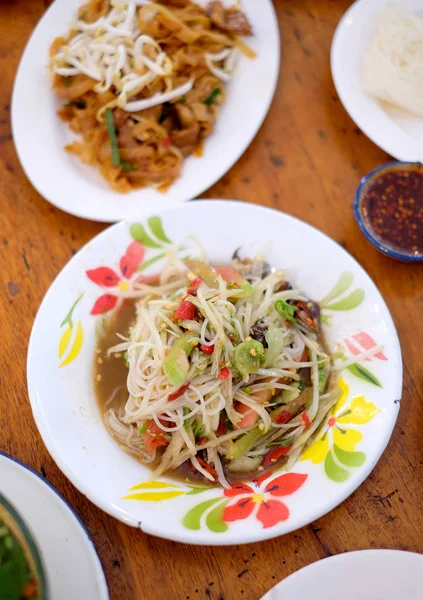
(365, 227)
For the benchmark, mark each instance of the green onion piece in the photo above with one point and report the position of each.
(112, 136)
(287, 311)
(210, 99)
(126, 359)
(281, 443)
(143, 428)
(127, 166)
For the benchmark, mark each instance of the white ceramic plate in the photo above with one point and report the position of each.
(77, 188)
(71, 563)
(398, 133)
(354, 436)
(364, 575)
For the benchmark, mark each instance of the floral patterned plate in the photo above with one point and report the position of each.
(349, 444)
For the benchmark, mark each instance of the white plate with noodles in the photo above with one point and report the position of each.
(376, 59)
(185, 392)
(154, 102)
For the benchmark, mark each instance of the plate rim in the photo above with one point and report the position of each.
(336, 558)
(101, 577)
(202, 538)
(91, 215)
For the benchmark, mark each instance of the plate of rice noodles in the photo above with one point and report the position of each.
(376, 58)
(186, 381)
(141, 102)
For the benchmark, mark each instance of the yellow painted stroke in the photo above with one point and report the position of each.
(153, 496)
(76, 346)
(153, 485)
(64, 340)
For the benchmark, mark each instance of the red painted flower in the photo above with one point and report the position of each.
(361, 342)
(269, 511)
(108, 278)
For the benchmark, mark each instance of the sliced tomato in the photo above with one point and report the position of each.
(185, 311)
(222, 429)
(229, 275)
(194, 285)
(249, 418)
(224, 374)
(283, 417)
(208, 468)
(153, 437)
(266, 395)
(179, 392)
(273, 456)
(207, 349)
(304, 355)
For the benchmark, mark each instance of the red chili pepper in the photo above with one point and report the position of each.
(179, 392)
(208, 468)
(224, 374)
(166, 143)
(274, 455)
(207, 349)
(186, 310)
(222, 429)
(305, 419)
(283, 417)
(304, 355)
(194, 285)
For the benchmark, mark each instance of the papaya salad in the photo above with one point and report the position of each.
(227, 374)
(142, 82)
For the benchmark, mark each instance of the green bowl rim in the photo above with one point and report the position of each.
(32, 545)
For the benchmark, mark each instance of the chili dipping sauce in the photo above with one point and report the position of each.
(392, 207)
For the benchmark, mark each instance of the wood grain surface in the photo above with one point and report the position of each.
(306, 160)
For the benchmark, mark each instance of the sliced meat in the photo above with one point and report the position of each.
(231, 20)
(120, 117)
(185, 116)
(178, 3)
(237, 22)
(71, 88)
(186, 139)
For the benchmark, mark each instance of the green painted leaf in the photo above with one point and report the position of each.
(349, 459)
(139, 234)
(192, 519)
(334, 471)
(156, 226)
(147, 263)
(326, 320)
(363, 373)
(214, 519)
(351, 301)
(68, 318)
(197, 490)
(341, 286)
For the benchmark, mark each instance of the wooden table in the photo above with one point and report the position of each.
(307, 160)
